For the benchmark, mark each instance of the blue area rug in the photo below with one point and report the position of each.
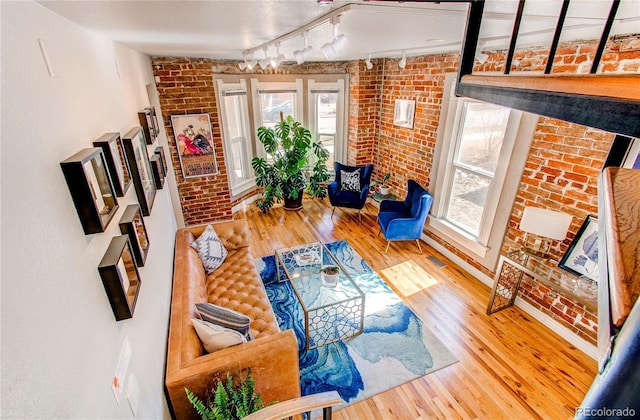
(395, 347)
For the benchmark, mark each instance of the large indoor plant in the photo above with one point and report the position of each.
(286, 172)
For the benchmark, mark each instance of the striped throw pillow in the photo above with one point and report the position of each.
(225, 317)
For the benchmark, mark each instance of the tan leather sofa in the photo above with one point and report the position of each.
(272, 355)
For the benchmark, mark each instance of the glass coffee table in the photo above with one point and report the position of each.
(331, 312)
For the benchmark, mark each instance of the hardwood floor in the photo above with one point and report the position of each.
(510, 365)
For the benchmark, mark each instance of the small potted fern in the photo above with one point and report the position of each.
(383, 189)
(330, 275)
(229, 401)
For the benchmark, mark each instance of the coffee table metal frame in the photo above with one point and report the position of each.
(335, 313)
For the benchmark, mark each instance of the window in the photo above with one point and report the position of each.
(326, 104)
(247, 102)
(475, 151)
(237, 141)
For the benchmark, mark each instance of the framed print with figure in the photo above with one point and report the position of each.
(192, 133)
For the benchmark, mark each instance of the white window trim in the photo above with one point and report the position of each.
(486, 248)
(244, 186)
(340, 153)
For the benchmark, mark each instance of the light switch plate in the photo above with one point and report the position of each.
(133, 394)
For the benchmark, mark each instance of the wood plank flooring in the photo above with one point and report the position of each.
(511, 366)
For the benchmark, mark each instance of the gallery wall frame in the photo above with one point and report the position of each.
(91, 189)
(113, 150)
(581, 257)
(146, 122)
(156, 170)
(138, 158)
(196, 150)
(132, 224)
(120, 277)
(163, 159)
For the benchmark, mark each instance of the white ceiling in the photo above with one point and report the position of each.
(223, 29)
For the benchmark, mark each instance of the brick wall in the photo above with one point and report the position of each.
(364, 107)
(186, 87)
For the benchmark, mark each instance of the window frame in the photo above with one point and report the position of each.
(484, 247)
(339, 142)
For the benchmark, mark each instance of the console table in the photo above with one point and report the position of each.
(514, 267)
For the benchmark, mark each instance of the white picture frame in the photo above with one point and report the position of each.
(404, 113)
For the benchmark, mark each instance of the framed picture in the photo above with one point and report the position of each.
(581, 258)
(146, 122)
(157, 171)
(113, 150)
(91, 189)
(120, 277)
(135, 148)
(632, 159)
(196, 151)
(403, 113)
(132, 225)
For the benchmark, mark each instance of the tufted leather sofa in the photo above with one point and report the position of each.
(236, 284)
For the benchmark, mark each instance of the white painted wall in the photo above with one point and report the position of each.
(60, 341)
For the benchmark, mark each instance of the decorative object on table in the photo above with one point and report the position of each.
(132, 224)
(156, 170)
(284, 173)
(231, 399)
(404, 112)
(91, 189)
(404, 220)
(330, 275)
(136, 153)
(541, 227)
(383, 189)
(120, 277)
(395, 347)
(113, 150)
(345, 194)
(146, 122)
(163, 159)
(196, 151)
(581, 258)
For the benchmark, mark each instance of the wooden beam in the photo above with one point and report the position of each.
(617, 86)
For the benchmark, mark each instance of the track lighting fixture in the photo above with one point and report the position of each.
(264, 63)
(331, 48)
(403, 61)
(303, 53)
(368, 62)
(243, 64)
(480, 56)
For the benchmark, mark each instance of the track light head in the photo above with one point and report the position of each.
(403, 61)
(328, 51)
(242, 65)
(368, 62)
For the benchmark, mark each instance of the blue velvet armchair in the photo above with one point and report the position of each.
(404, 220)
(353, 199)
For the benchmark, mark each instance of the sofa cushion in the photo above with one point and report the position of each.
(215, 337)
(226, 318)
(210, 249)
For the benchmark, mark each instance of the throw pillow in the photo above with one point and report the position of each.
(215, 337)
(350, 181)
(210, 249)
(226, 318)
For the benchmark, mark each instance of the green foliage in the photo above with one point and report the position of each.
(385, 178)
(290, 148)
(230, 401)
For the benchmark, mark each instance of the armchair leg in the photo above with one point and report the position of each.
(387, 248)
(333, 211)
(359, 215)
(419, 247)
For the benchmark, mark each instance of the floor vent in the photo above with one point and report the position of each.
(436, 261)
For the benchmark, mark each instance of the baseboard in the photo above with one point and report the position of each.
(581, 344)
(245, 203)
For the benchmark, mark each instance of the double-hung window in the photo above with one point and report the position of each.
(326, 106)
(476, 150)
(234, 112)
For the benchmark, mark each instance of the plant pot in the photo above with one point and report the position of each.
(384, 191)
(330, 280)
(294, 204)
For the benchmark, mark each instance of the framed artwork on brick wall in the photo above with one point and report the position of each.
(581, 258)
(404, 112)
(192, 133)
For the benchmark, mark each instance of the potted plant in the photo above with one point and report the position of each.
(330, 275)
(285, 174)
(229, 400)
(383, 189)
